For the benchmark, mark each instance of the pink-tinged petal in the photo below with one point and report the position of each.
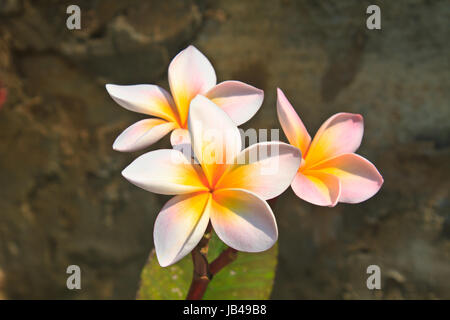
(242, 220)
(145, 98)
(142, 134)
(180, 226)
(165, 171)
(180, 136)
(342, 133)
(360, 179)
(292, 125)
(266, 169)
(216, 140)
(316, 187)
(190, 73)
(239, 100)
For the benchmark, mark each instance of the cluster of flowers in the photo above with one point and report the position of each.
(232, 194)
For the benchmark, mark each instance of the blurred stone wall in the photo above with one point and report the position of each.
(63, 200)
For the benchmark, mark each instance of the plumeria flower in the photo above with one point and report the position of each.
(330, 171)
(230, 194)
(190, 73)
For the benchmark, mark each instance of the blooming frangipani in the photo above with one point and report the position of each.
(230, 195)
(330, 171)
(190, 73)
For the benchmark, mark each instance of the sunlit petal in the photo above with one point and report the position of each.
(165, 171)
(179, 226)
(142, 134)
(359, 178)
(266, 169)
(292, 125)
(342, 133)
(317, 188)
(190, 73)
(144, 98)
(239, 100)
(215, 138)
(242, 220)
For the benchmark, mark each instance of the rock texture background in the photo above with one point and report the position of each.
(63, 200)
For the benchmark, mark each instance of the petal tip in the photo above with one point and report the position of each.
(259, 92)
(162, 259)
(163, 263)
(281, 97)
(355, 116)
(125, 173)
(110, 87)
(333, 204)
(116, 147)
(119, 147)
(358, 117)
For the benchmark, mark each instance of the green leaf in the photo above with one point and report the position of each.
(250, 276)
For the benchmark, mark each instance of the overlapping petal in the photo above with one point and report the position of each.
(179, 226)
(144, 98)
(292, 125)
(266, 169)
(239, 100)
(317, 187)
(165, 171)
(180, 136)
(190, 73)
(341, 133)
(142, 134)
(215, 139)
(359, 178)
(242, 220)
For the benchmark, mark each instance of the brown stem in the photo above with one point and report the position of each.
(225, 258)
(203, 271)
(201, 275)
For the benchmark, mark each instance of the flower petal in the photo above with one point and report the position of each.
(165, 171)
(239, 100)
(265, 168)
(359, 178)
(180, 226)
(145, 98)
(292, 125)
(142, 134)
(341, 133)
(316, 187)
(190, 73)
(180, 136)
(242, 220)
(216, 140)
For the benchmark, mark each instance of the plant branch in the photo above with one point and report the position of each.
(201, 275)
(225, 258)
(203, 271)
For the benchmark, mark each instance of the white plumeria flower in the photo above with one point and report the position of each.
(232, 194)
(190, 73)
(330, 171)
